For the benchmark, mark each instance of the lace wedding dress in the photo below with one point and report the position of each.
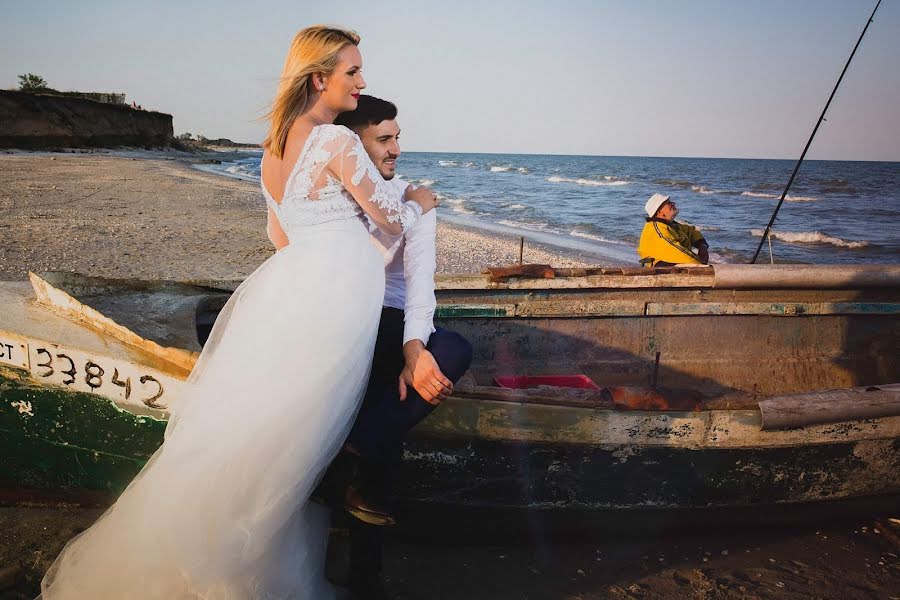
(220, 511)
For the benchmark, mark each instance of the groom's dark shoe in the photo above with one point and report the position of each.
(363, 508)
(365, 497)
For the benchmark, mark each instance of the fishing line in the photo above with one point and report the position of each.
(765, 235)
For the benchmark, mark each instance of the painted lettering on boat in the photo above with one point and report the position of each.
(13, 351)
(73, 368)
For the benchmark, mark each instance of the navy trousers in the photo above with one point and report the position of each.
(383, 420)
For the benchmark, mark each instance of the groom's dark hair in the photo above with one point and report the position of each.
(369, 111)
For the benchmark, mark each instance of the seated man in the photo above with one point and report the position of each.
(414, 368)
(666, 242)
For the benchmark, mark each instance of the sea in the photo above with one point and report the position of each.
(836, 212)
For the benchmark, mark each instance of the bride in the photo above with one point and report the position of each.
(220, 511)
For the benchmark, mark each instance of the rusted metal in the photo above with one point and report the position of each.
(529, 271)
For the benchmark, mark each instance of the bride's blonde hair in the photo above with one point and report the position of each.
(314, 50)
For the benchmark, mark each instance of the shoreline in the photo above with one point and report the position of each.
(542, 247)
(161, 215)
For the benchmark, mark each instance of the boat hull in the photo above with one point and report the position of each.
(78, 435)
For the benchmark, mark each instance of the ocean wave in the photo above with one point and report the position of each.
(811, 237)
(702, 190)
(706, 191)
(528, 226)
(462, 210)
(682, 183)
(456, 205)
(596, 238)
(508, 168)
(243, 170)
(516, 206)
(469, 165)
(787, 198)
(582, 181)
(447, 163)
(716, 258)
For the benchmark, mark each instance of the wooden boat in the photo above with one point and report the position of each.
(720, 386)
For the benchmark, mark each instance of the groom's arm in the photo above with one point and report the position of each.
(419, 265)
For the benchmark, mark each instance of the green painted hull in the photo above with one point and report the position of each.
(74, 442)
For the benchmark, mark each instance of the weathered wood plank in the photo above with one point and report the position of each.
(831, 406)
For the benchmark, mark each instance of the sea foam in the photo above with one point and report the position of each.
(596, 238)
(811, 237)
(583, 181)
(787, 198)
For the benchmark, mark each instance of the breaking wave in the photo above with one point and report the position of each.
(447, 163)
(500, 169)
(811, 237)
(527, 226)
(682, 183)
(596, 238)
(456, 205)
(607, 180)
(706, 191)
(787, 198)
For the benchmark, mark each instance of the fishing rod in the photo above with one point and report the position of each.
(768, 230)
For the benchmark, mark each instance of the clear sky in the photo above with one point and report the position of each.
(720, 78)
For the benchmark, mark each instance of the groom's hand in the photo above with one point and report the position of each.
(423, 374)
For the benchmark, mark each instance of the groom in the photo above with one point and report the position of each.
(415, 364)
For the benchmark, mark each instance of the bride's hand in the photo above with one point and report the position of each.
(422, 196)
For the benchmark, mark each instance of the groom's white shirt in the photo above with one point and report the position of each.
(409, 265)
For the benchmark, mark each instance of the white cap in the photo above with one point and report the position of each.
(653, 204)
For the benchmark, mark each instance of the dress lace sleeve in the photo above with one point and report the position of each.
(381, 201)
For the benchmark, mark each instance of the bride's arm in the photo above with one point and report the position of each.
(381, 201)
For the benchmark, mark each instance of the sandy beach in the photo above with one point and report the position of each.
(152, 215)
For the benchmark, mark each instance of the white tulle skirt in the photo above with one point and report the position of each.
(220, 511)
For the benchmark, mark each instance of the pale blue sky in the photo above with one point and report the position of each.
(714, 78)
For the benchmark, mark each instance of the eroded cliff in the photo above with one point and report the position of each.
(38, 121)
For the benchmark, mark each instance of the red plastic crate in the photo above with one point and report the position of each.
(521, 382)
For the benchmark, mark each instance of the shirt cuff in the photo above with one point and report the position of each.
(417, 330)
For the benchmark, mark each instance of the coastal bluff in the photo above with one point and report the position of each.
(41, 121)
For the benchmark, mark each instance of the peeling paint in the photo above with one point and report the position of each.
(433, 457)
(24, 407)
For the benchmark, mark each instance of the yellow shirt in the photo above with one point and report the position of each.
(669, 241)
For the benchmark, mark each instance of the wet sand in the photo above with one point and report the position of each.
(153, 216)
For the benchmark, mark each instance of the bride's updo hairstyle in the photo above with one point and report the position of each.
(314, 50)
